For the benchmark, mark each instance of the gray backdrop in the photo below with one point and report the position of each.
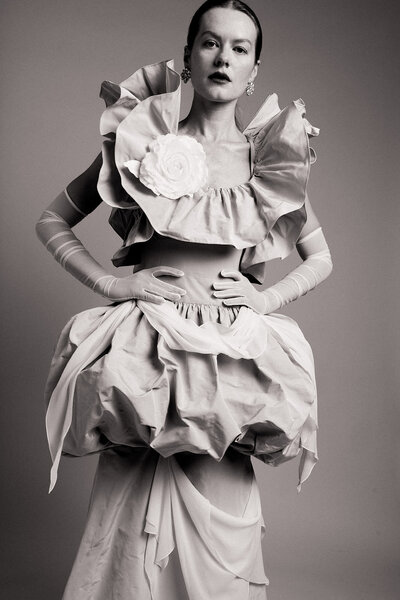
(338, 539)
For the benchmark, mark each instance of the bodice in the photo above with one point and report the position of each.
(200, 263)
(261, 217)
(202, 259)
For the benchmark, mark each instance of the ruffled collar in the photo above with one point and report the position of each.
(146, 106)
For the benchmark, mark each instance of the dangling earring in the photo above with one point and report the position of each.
(186, 74)
(250, 88)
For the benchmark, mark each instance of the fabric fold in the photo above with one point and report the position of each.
(152, 535)
(208, 539)
(59, 412)
(262, 216)
(159, 526)
(177, 378)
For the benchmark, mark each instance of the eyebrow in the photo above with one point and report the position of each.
(217, 36)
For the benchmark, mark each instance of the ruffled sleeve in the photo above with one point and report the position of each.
(283, 159)
(262, 216)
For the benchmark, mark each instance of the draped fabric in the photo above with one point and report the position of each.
(183, 377)
(143, 383)
(262, 216)
(151, 535)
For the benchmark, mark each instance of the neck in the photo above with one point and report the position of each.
(212, 121)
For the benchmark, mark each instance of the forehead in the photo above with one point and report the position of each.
(228, 23)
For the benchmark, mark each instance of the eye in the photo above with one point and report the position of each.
(210, 43)
(240, 50)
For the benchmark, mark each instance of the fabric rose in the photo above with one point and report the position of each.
(174, 166)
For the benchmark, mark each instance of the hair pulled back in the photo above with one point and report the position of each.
(234, 5)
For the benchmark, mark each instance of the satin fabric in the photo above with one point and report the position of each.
(183, 377)
(144, 383)
(151, 535)
(262, 216)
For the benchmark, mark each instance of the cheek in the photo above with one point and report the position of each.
(249, 70)
(200, 60)
(197, 79)
(244, 76)
(198, 74)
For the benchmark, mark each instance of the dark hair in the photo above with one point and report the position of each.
(234, 5)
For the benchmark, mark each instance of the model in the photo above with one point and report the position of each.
(188, 371)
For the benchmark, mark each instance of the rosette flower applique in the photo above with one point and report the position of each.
(174, 166)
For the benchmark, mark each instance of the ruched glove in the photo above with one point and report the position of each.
(57, 236)
(316, 266)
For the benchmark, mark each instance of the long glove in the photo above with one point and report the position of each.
(56, 234)
(316, 266)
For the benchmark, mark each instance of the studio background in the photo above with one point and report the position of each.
(338, 539)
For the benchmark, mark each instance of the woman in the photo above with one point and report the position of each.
(187, 373)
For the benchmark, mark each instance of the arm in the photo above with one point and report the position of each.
(54, 229)
(315, 268)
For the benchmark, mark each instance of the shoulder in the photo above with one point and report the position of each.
(287, 127)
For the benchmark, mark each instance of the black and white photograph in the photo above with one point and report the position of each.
(200, 317)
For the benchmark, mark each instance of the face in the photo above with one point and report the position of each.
(223, 55)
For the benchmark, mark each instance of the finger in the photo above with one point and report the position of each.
(162, 270)
(159, 291)
(165, 289)
(223, 285)
(226, 294)
(238, 301)
(236, 275)
(169, 287)
(148, 297)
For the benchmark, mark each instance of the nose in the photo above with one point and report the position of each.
(221, 59)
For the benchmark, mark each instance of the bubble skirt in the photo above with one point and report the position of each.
(141, 383)
(183, 376)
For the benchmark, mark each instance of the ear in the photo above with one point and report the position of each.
(186, 56)
(254, 72)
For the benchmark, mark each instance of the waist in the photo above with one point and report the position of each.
(198, 288)
(201, 264)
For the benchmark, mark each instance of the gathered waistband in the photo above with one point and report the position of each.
(198, 288)
(200, 263)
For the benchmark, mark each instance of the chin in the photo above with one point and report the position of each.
(218, 94)
(225, 99)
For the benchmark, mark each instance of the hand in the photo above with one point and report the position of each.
(240, 292)
(144, 285)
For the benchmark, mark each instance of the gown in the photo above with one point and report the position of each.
(148, 385)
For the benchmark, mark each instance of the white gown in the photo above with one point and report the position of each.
(176, 397)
